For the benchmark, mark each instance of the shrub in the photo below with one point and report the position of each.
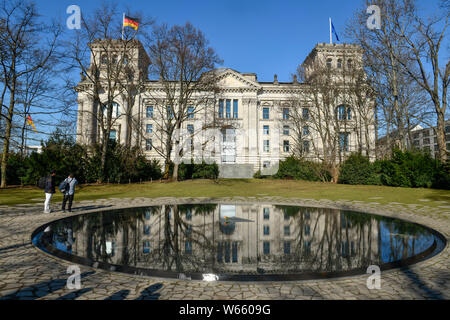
(299, 169)
(357, 169)
(202, 170)
(410, 169)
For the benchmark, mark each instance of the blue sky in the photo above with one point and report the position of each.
(265, 37)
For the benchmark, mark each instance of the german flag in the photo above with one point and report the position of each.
(30, 123)
(130, 22)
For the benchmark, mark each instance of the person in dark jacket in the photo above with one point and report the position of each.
(49, 191)
(69, 193)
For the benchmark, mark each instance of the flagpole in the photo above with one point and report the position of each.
(123, 20)
(331, 35)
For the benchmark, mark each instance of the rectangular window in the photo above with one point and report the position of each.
(234, 252)
(266, 230)
(188, 247)
(266, 130)
(286, 215)
(305, 130)
(265, 113)
(235, 109)
(190, 128)
(148, 145)
(426, 133)
(307, 247)
(190, 113)
(266, 213)
(188, 231)
(149, 112)
(287, 230)
(306, 146)
(221, 108)
(285, 113)
(169, 112)
(286, 130)
(307, 230)
(113, 135)
(305, 113)
(426, 141)
(266, 247)
(147, 230)
(227, 251)
(343, 141)
(287, 247)
(266, 146)
(219, 252)
(146, 246)
(228, 108)
(189, 214)
(286, 146)
(149, 128)
(307, 215)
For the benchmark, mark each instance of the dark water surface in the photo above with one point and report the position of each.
(238, 242)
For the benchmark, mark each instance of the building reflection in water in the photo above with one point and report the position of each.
(247, 239)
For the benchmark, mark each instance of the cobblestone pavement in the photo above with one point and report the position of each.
(28, 273)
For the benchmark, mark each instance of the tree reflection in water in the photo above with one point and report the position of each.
(239, 239)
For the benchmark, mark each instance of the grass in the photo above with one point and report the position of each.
(238, 187)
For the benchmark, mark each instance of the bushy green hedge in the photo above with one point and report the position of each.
(299, 169)
(357, 169)
(411, 169)
(63, 155)
(196, 171)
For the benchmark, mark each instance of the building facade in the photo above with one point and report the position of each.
(253, 121)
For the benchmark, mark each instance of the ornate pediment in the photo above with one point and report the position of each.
(231, 79)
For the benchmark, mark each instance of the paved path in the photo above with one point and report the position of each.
(27, 273)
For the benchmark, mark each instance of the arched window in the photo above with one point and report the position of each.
(349, 63)
(329, 62)
(339, 63)
(114, 59)
(343, 112)
(104, 59)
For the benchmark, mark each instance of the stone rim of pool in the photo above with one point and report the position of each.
(430, 252)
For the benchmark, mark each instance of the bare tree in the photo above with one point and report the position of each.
(27, 44)
(424, 40)
(183, 61)
(334, 101)
(398, 57)
(108, 71)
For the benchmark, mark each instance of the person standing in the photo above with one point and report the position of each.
(69, 192)
(49, 190)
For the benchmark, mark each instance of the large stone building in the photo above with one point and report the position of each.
(258, 115)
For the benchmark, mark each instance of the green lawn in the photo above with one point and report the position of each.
(244, 188)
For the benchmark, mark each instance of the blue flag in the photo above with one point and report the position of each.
(334, 31)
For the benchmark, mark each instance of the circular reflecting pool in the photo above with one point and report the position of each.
(237, 242)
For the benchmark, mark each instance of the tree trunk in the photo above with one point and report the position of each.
(7, 140)
(440, 135)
